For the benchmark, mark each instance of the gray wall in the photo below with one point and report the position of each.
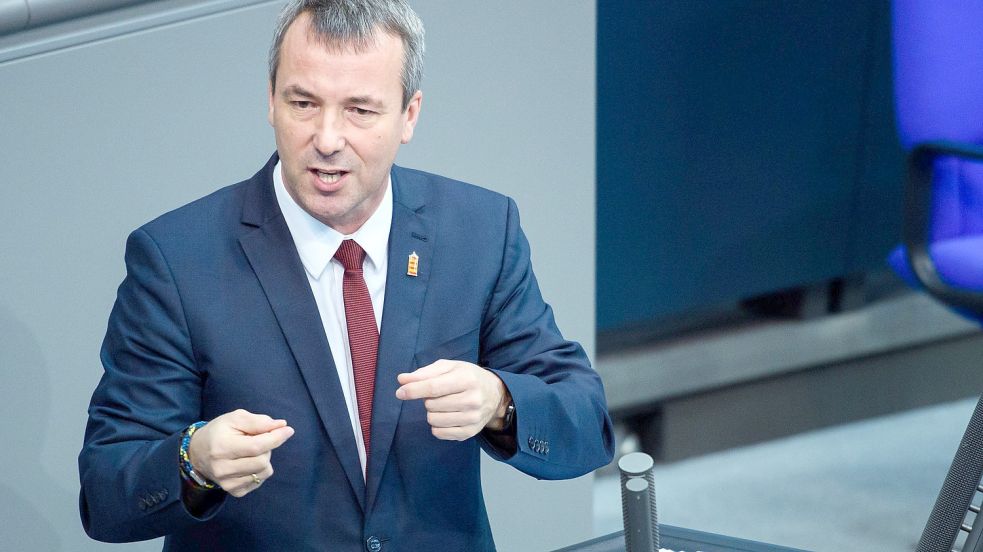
(107, 132)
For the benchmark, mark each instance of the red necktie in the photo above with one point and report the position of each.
(363, 335)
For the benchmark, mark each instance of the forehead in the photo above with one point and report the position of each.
(307, 59)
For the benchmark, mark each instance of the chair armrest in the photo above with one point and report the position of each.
(917, 219)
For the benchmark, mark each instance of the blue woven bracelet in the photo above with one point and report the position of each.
(187, 470)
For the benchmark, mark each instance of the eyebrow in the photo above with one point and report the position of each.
(296, 90)
(365, 100)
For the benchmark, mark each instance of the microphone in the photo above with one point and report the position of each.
(638, 502)
(954, 506)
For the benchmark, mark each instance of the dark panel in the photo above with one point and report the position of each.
(878, 203)
(731, 145)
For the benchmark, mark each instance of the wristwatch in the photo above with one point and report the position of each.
(509, 416)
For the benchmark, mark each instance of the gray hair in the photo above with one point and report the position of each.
(352, 23)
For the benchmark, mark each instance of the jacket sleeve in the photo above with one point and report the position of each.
(150, 391)
(563, 429)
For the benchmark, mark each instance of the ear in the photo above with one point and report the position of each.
(411, 115)
(269, 113)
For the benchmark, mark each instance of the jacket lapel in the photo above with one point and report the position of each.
(411, 232)
(273, 257)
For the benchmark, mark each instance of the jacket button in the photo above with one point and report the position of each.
(531, 442)
(143, 505)
(373, 544)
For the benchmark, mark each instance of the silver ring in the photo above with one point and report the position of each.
(256, 480)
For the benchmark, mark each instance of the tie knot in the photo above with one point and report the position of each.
(350, 255)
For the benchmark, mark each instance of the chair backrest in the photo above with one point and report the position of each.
(938, 80)
(938, 77)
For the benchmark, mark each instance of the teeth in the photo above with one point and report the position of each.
(328, 178)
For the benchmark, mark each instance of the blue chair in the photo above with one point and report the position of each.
(938, 76)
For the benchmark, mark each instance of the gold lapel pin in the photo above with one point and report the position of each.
(412, 264)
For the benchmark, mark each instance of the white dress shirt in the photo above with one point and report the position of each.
(317, 243)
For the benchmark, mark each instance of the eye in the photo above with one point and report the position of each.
(361, 112)
(302, 104)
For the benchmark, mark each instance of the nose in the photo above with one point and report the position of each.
(329, 136)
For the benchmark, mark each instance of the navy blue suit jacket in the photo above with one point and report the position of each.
(216, 314)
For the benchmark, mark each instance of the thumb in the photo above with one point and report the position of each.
(273, 439)
(429, 371)
(254, 424)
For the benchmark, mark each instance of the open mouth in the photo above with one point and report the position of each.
(329, 177)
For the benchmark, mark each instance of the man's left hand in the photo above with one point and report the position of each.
(461, 398)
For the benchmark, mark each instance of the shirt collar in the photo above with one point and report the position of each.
(317, 242)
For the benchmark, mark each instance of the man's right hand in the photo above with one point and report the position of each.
(233, 447)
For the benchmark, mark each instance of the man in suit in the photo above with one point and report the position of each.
(364, 328)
